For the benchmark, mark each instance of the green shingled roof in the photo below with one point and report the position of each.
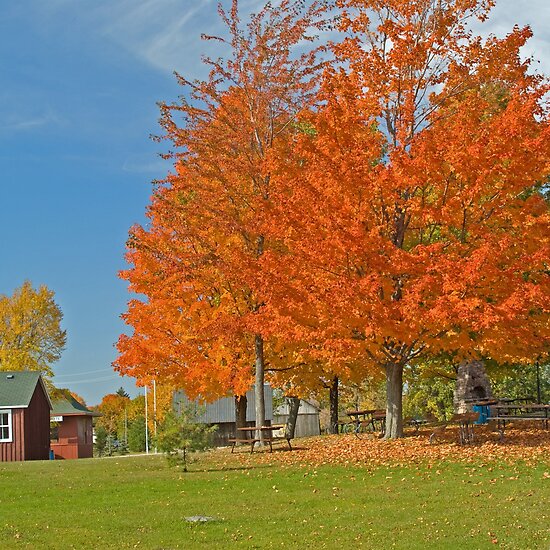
(66, 404)
(17, 388)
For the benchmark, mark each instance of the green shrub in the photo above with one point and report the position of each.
(100, 440)
(180, 434)
(136, 435)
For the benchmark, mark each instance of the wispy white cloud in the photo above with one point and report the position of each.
(165, 34)
(142, 165)
(26, 122)
(162, 33)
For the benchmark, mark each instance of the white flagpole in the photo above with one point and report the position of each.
(155, 412)
(146, 424)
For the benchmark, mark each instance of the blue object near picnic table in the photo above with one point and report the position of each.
(484, 412)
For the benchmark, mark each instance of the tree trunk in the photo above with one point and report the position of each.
(259, 384)
(394, 401)
(333, 396)
(240, 411)
(293, 406)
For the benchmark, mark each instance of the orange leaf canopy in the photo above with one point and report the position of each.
(410, 209)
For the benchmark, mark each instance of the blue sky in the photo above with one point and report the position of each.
(78, 91)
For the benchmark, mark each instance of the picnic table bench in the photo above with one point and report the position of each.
(501, 413)
(417, 423)
(518, 412)
(372, 420)
(365, 420)
(267, 436)
(465, 423)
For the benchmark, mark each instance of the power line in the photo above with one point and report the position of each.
(102, 379)
(86, 373)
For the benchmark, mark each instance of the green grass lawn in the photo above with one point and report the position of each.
(139, 502)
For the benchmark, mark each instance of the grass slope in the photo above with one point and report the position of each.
(138, 502)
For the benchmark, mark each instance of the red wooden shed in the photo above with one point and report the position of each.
(24, 417)
(72, 432)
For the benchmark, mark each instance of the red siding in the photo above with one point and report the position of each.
(75, 438)
(37, 426)
(15, 450)
(65, 451)
(85, 443)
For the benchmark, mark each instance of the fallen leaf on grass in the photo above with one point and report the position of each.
(529, 445)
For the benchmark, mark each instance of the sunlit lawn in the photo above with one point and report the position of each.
(139, 502)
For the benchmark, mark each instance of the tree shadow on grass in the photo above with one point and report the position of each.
(228, 468)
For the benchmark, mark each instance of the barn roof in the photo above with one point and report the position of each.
(17, 388)
(67, 405)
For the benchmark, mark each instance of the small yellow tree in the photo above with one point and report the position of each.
(31, 337)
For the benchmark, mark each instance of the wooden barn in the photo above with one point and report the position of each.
(24, 417)
(307, 423)
(71, 428)
(222, 412)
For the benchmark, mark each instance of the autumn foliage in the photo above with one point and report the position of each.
(198, 262)
(410, 214)
(347, 217)
(31, 337)
(529, 445)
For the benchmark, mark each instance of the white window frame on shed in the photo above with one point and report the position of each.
(5, 424)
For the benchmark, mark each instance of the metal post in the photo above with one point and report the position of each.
(538, 383)
(146, 422)
(155, 412)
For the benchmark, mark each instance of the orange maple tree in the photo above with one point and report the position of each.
(198, 263)
(393, 213)
(409, 206)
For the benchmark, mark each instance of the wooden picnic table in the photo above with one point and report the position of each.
(537, 409)
(368, 417)
(267, 436)
(465, 423)
(519, 412)
(360, 414)
(416, 423)
(486, 402)
(516, 411)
